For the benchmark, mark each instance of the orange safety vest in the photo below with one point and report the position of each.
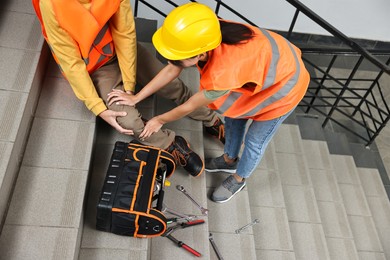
(88, 28)
(265, 75)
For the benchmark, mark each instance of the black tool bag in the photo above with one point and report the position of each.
(133, 191)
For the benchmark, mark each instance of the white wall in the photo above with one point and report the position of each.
(364, 19)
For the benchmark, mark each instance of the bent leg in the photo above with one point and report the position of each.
(109, 77)
(258, 136)
(234, 134)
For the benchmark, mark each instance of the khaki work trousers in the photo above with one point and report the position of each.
(109, 77)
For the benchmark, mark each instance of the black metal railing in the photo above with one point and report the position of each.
(355, 100)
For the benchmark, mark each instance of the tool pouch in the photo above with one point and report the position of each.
(133, 191)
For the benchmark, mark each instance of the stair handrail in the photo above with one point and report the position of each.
(331, 29)
(300, 7)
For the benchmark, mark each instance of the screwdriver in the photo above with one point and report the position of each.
(183, 245)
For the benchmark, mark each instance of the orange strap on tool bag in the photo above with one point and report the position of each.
(133, 191)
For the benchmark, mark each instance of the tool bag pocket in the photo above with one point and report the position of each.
(133, 191)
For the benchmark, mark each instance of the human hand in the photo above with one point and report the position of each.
(119, 97)
(152, 126)
(110, 117)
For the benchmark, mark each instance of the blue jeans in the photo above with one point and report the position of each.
(257, 138)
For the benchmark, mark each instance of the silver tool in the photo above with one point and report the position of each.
(220, 257)
(179, 219)
(177, 214)
(202, 209)
(238, 231)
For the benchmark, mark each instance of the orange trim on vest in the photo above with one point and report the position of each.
(265, 75)
(88, 28)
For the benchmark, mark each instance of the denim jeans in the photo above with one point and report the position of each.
(257, 138)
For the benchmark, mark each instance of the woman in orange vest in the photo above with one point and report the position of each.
(94, 44)
(248, 74)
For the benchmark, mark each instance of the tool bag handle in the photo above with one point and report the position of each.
(165, 157)
(153, 156)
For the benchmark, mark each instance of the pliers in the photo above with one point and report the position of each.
(170, 230)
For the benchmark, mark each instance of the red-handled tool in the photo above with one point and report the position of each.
(192, 223)
(169, 231)
(183, 225)
(183, 245)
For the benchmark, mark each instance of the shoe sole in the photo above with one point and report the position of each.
(189, 147)
(200, 173)
(221, 170)
(222, 201)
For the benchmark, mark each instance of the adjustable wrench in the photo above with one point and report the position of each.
(202, 209)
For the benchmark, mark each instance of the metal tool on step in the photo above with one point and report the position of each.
(184, 245)
(238, 231)
(183, 225)
(216, 250)
(170, 230)
(181, 216)
(202, 209)
(179, 219)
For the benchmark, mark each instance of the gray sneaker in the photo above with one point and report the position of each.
(227, 189)
(219, 165)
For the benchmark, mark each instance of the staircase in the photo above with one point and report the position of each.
(312, 200)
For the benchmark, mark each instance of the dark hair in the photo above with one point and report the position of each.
(234, 33)
(177, 63)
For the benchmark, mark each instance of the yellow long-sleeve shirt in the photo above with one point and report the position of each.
(69, 57)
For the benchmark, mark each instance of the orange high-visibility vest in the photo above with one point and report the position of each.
(88, 28)
(265, 75)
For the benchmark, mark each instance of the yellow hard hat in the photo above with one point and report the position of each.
(187, 31)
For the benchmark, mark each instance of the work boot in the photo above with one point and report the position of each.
(217, 130)
(184, 156)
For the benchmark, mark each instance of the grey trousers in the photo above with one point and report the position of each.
(109, 77)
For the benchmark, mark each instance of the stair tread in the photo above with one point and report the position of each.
(23, 62)
(38, 242)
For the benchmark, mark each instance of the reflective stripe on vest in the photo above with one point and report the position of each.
(266, 77)
(269, 80)
(94, 41)
(234, 96)
(101, 50)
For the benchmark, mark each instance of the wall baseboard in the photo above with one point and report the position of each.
(331, 41)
